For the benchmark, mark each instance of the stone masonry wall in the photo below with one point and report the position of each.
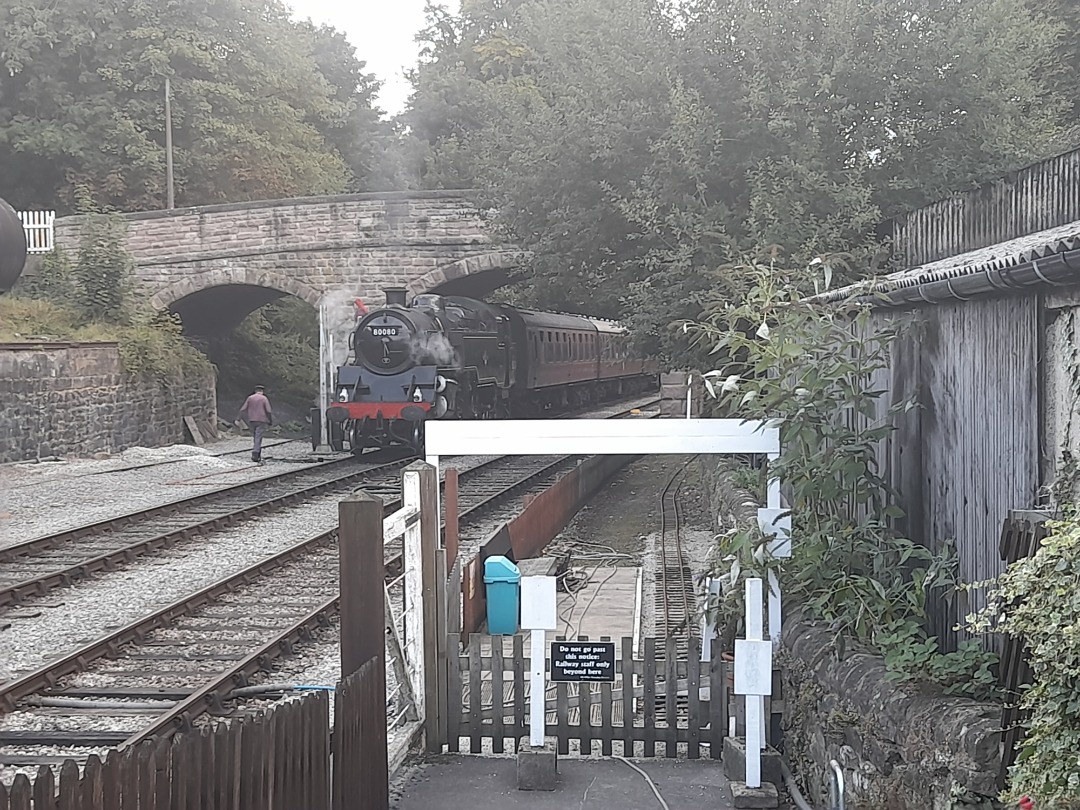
(899, 747)
(74, 399)
(310, 246)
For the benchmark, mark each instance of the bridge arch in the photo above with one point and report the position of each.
(234, 277)
(474, 276)
(218, 300)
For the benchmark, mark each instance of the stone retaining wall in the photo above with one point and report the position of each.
(60, 399)
(900, 747)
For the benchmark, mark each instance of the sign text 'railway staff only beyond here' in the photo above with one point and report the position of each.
(583, 661)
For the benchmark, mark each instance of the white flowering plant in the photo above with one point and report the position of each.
(815, 370)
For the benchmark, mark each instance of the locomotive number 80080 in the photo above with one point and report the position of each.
(447, 357)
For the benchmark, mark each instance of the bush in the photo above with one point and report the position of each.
(95, 298)
(276, 345)
(811, 370)
(1037, 600)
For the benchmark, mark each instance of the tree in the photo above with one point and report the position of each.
(640, 149)
(82, 102)
(369, 144)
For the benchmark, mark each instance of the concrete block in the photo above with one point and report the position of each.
(537, 768)
(734, 758)
(764, 796)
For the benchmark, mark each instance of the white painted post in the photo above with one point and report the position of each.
(414, 589)
(713, 588)
(689, 395)
(753, 679)
(775, 597)
(537, 688)
(538, 615)
(324, 372)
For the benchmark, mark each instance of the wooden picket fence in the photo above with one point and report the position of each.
(593, 714)
(277, 759)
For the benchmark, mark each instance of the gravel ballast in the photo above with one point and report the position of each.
(48, 497)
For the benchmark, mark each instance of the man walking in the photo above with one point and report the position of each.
(256, 411)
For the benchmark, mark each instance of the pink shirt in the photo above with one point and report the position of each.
(257, 408)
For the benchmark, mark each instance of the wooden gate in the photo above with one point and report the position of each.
(630, 717)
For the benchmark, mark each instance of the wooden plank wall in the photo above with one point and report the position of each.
(1021, 534)
(970, 453)
(1032, 199)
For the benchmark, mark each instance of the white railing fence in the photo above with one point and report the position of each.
(40, 231)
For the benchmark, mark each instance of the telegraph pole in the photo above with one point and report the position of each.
(168, 146)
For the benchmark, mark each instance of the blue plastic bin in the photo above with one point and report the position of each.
(503, 584)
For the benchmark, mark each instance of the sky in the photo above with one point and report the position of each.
(382, 32)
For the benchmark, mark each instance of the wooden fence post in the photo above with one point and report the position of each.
(432, 628)
(435, 745)
(360, 576)
(450, 499)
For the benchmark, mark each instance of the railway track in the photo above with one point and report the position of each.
(197, 654)
(674, 579)
(37, 566)
(675, 599)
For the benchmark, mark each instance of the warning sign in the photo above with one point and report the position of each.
(583, 661)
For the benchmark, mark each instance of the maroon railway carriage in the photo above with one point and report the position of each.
(445, 357)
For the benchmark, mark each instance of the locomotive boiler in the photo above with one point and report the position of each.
(449, 357)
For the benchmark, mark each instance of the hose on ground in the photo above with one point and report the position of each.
(655, 790)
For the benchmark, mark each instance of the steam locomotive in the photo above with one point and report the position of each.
(446, 357)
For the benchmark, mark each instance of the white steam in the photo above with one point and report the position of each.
(432, 348)
(338, 321)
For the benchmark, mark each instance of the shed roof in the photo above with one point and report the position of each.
(1050, 257)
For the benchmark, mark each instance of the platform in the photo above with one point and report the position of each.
(606, 606)
(490, 783)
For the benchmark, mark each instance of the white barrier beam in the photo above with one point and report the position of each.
(597, 437)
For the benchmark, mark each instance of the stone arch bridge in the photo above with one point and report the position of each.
(214, 265)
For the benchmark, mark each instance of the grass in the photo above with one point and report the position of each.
(146, 348)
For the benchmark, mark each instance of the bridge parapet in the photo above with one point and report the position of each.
(312, 246)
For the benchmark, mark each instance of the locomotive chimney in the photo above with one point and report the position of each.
(395, 296)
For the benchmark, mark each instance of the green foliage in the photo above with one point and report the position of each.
(811, 371)
(1037, 600)
(55, 281)
(640, 149)
(278, 346)
(95, 298)
(263, 107)
(104, 272)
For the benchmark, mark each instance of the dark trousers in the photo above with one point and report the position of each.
(257, 430)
